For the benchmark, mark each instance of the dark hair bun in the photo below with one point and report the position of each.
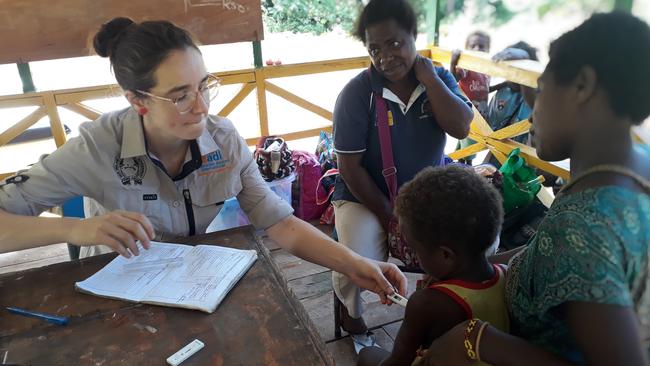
(105, 40)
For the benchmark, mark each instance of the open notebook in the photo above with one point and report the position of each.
(177, 275)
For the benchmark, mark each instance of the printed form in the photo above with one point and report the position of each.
(173, 275)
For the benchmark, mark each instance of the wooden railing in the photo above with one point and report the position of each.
(47, 103)
(499, 142)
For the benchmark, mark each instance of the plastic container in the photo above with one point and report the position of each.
(282, 187)
(230, 216)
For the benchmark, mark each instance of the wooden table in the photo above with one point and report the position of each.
(260, 322)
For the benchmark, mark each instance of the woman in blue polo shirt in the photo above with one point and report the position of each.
(425, 104)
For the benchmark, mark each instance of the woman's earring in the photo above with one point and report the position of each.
(142, 111)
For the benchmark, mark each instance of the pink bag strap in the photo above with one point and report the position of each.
(328, 173)
(389, 170)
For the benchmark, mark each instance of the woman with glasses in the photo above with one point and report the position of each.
(161, 168)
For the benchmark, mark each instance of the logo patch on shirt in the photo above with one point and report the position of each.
(130, 170)
(425, 110)
(213, 163)
(149, 197)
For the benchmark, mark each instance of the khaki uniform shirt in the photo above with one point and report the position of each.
(109, 164)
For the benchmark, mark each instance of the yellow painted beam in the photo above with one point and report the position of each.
(294, 135)
(531, 159)
(479, 124)
(237, 99)
(6, 175)
(300, 102)
(523, 72)
(247, 76)
(58, 132)
(20, 127)
(524, 148)
(501, 158)
(511, 131)
(21, 100)
(84, 110)
(317, 67)
(468, 151)
(71, 96)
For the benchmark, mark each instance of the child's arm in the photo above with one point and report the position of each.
(429, 314)
(455, 56)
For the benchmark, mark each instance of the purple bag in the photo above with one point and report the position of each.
(397, 245)
(305, 187)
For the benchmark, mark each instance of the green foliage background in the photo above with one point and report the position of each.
(319, 16)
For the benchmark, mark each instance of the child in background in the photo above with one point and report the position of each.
(450, 216)
(512, 102)
(476, 86)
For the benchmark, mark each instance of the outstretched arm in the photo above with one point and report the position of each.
(307, 242)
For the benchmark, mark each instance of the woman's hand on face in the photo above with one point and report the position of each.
(424, 70)
(379, 277)
(448, 349)
(117, 229)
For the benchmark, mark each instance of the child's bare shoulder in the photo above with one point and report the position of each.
(434, 309)
(431, 299)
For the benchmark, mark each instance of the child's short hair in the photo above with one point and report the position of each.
(479, 33)
(451, 206)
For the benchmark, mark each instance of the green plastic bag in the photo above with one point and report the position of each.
(520, 184)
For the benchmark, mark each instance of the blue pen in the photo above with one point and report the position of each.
(58, 320)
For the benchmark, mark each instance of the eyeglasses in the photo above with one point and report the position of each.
(208, 90)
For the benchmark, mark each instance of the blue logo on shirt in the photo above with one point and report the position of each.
(213, 163)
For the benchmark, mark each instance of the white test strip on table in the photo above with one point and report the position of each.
(185, 352)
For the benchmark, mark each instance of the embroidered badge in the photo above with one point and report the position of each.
(130, 170)
(149, 197)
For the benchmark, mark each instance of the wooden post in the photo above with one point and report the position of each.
(257, 54)
(433, 21)
(261, 102)
(26, 77)
(262, 111)
(58, 131)
(624, 5)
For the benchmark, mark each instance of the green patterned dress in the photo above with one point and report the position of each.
(593, 246)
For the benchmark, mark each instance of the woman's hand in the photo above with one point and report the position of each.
(448, 349)
(379, 277)
(117, 229)
(424, 70)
